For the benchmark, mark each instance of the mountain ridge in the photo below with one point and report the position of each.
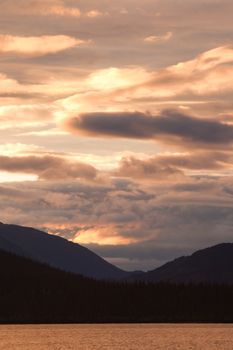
(208, 265)
(57, 252)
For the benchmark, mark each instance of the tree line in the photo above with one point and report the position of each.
(31, 292)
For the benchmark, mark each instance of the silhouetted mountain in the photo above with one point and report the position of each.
(210, 265)
(31, 292)
(56, 252)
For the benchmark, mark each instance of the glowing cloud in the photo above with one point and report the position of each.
(37, 46)
(117, 78)
(154, 39)
(95, 13)
(63, 11)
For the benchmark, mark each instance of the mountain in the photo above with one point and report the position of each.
(210, 265)
(57, 252)
(31, 292)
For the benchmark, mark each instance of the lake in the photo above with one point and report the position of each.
(116, 337)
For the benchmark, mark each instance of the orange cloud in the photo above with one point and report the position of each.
(7, 84)
(64, 11)
(26, 115)
(37, 46)
(41, 7)
(101, 235)
(209, 72)
(137, 88)
(95, 13)
(154, 39)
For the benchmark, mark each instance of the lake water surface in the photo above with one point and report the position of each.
(116, 337)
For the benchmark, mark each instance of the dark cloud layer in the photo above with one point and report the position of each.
(169, 125)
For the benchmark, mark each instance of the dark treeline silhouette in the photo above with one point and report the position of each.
(34, 293)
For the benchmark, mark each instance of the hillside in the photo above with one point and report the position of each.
(57, 252)
(210, 265)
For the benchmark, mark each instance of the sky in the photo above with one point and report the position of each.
(116, 124)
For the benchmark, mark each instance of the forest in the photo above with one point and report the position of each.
(31, 292)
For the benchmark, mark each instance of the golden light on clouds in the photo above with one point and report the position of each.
(8, 177)
(101, 235)
(63, 11)
(82, 234)
(116, 78)
(95, 13)
(37, 46)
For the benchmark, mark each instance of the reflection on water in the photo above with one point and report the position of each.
(122, 337)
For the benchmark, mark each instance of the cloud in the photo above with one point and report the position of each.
(155, 39)
(169, 127)
(37, 46)
(202, 85)
(148, 170)
(209, 72)
(55, 8)
(116, 78)
(48, 167)
(25, 115)
(95, 13)
(175, 167)
(8, 83)
(62, 11)
(40, 7)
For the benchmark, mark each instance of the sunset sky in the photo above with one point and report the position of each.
(116, 124)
